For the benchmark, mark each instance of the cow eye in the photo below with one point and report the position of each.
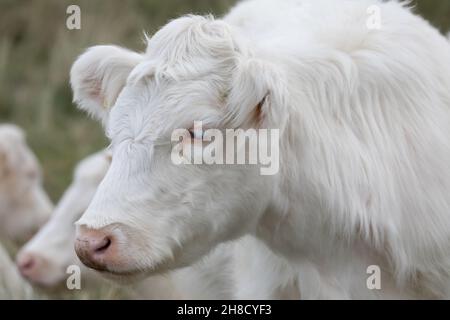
(196, 134)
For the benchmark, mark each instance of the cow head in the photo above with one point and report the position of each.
(45, 258)
(24, 205)
(150, 214)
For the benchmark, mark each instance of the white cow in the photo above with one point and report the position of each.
(24, 205)
(45, 259)
(363, 110)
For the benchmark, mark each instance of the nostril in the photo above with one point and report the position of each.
(27, 264)
(103, 245)
(95, 247)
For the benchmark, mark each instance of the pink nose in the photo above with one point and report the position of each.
(29, 264)
(95, 248)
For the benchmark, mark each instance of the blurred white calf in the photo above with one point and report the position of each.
(45, 258)
(24, 206)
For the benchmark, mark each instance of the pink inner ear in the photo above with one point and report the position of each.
(94, 90)
(258, 115)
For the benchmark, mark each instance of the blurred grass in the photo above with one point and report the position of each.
(436, 11)
(37, 50)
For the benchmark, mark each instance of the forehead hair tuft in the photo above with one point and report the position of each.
(188, 47)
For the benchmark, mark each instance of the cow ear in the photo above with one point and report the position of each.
(258, 95)
(99, 75)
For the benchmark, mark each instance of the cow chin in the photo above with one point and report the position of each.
(133, 274)
(49, 282)
(123, 278)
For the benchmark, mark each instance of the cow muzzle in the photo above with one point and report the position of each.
(96, 248)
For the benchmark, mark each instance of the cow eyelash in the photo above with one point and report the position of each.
(196, 134)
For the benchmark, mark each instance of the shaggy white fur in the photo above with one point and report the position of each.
(364, 174)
